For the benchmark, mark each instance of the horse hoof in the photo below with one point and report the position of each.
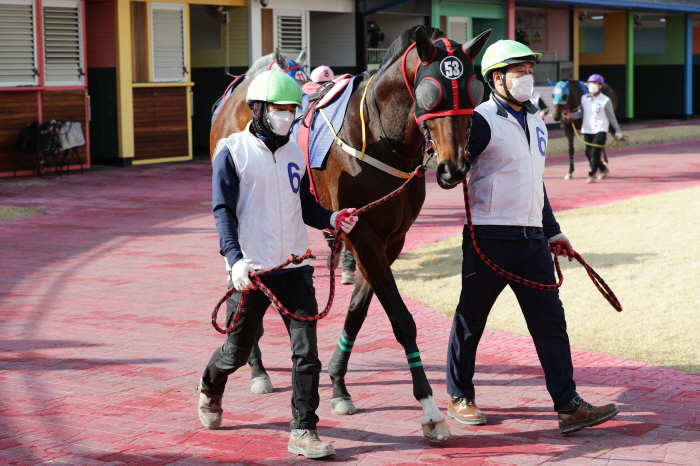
(261, 385)
(436, 431)
(343, 406)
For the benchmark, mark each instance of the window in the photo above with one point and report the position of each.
(63, 43)
(17, 43)
(649, 34)
(168, 42)
(290, 33)
(458, 29)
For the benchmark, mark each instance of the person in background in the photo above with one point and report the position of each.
(322, 74)
(598, 115)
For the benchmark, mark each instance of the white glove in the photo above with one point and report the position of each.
(563, 241)
(239, 275)
(344, 220)
(618, 136)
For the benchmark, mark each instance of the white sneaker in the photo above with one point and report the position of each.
(568, 176)
(307, 442)
(591, 179)
(348, 277)
(603, 174)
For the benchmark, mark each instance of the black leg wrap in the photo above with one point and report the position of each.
(339, 390)
(421, 386)
(338, 365)
(256, 368)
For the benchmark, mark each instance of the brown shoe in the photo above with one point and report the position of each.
(307, 442)
(466, 412)
(579, 414)
(210, 410)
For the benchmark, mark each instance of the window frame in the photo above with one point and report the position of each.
(37, 71)
(167, 6)
(81, 41)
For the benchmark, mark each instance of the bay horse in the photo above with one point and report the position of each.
(567, 96)
(394, 137)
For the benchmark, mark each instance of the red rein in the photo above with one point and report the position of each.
(255, 277)
(556, 250)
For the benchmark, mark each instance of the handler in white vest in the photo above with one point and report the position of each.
(261, 201)
(598, 115)
(513, 226)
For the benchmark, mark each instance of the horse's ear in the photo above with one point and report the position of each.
(551, 83)
(279, 58)
(302, 57)
(426, 50)
(474, 46)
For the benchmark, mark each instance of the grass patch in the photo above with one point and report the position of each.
(642, 247)
(11, 213)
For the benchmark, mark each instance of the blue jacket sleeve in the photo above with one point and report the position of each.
(549, 223)
(479, 137)
(224, 199)
(312, 212)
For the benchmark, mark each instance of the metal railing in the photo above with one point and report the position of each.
(376, 55)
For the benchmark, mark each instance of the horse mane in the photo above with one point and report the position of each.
(260, 65)
(404, 41)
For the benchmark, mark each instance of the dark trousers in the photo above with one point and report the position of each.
(593, 153)
(543, 311)
(296, 292)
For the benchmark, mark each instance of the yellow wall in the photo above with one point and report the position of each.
(615, 42)
(237, 43)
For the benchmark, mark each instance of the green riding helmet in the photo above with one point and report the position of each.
(275, 87)
(507, 52)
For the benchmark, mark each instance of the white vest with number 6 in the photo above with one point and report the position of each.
(505, 182)
(270, 224)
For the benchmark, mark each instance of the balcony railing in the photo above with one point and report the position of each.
(375, 56)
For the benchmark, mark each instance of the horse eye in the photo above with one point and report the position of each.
(428, 94)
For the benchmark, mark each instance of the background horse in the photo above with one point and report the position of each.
(378, 238)
(566, 95)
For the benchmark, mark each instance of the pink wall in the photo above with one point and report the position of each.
(99, 34)
(558, 33)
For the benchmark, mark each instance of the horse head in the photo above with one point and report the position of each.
(446, 91)
(292, 68)
(566, 95)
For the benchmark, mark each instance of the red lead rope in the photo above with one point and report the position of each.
(556, 250)
(292, 259)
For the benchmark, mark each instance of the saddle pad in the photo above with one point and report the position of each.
(234, 84)
(321, 136)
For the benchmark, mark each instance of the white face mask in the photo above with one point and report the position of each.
(593, 88)
(280, 122)
(523, 87)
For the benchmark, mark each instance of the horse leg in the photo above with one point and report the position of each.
(377, 270)
(259, 380)
(570, 136)
(362, 293)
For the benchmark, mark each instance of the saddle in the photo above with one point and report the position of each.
(315, 140)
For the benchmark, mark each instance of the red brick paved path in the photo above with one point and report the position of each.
(104, 332)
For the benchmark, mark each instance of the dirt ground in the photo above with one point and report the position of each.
(638, 137)
(643, 248)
